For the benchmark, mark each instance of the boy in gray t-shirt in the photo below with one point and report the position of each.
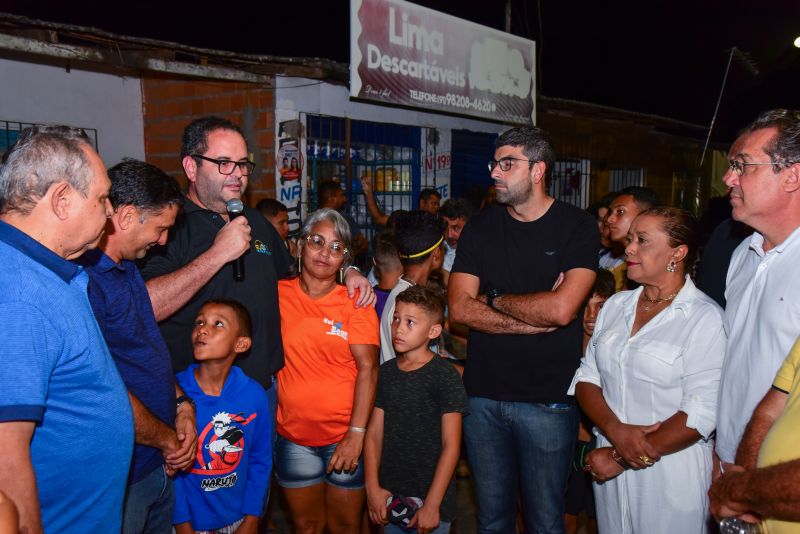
(412, 444)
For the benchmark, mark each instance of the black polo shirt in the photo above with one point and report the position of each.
(265, 262)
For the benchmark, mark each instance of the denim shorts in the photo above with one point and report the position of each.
(298, 466)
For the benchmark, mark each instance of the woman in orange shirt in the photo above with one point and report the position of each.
(327, 388)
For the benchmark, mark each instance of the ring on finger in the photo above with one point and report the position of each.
(646, 460)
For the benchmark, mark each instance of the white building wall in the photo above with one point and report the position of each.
(297, 97)
(311, 96)
(36, 93)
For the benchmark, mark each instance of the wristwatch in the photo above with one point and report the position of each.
(354, 268)
(184, 398)
(491, 295)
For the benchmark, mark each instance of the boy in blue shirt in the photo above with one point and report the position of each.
(226, 489)
(414, 435)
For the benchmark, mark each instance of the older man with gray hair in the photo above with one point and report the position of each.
(758, 392)
(66, 429)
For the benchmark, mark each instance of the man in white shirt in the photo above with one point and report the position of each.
(762, 290)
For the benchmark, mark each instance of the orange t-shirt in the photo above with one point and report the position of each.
(317, 384)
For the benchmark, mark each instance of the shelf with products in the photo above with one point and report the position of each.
(350, 150)
(386, 178)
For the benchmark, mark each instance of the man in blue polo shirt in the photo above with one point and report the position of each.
(145, 202)
(66, 429)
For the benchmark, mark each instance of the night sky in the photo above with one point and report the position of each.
(661, 57)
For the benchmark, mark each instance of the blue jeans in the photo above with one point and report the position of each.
(299, 466)
(148, 505)
(521, 446)
(443, 528)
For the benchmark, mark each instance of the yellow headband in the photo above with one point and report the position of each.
(418, 254)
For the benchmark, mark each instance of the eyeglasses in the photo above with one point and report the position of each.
(505, 164)
(227, 166)
(316, 243)
(738, 166)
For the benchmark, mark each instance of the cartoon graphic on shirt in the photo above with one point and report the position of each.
(225, 449)
(219, 449)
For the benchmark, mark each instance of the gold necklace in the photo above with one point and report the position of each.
(656, 301)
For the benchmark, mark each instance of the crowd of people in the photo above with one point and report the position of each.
(167, 359)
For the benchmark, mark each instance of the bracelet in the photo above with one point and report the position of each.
(359, 429)
(619, 459)
(184, 398)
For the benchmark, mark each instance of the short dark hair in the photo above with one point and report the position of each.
(270, 207)
(643, 196)
(327, 190)
(384, 253)
(426, 298)
(144, 186)
(391, 222)
(784, 149)
(242, 315)
(427, 193)
(604, 284)
(416, 232)
(455, 208)
(682, 228)
(195, 135)
(535, 143)
(604, 202)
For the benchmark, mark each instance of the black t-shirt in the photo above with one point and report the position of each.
(265, 262)
(713, 269)
(413, 404)
(518, 257)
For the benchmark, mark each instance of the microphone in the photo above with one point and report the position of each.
(235, 208)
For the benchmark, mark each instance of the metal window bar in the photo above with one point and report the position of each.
(10, 130)
(569, 181)
(390, 169)
(324, 158)
(389, 166)
(620, 178)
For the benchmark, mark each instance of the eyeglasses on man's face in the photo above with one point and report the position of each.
(505, 164)
(227, 166)
(316, 243)
(738, 166)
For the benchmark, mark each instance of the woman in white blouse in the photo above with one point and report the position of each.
(649, 383)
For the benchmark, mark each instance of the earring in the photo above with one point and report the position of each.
(671, 267)
(299, 265)
(341, 276)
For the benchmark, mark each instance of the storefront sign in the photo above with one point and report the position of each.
(401, 53)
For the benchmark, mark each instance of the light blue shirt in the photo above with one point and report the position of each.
(58, 373)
